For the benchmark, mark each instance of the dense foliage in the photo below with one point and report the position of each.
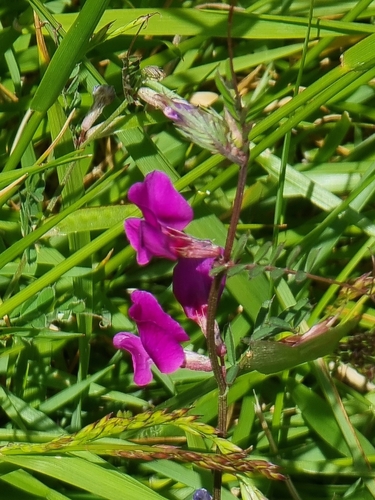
(159, 116)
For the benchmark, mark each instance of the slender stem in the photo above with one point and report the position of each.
(231, 56)
(357, 287)
(215, 291)
(273, 447)
(213, 300)
(241, 183)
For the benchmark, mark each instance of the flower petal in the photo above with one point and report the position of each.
(160, 334)
(148, 241)
(132, 231)
(141, 360)
(160, 202)
(202, 494)
(165, 351)
(191, 286)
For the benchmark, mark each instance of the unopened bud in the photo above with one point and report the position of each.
(196, 362)
(314, 331)
(204, 127)
(103, 96)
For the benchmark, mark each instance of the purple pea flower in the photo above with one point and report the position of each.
(159, 341)
(191, 287)
(166, 213)
(159, 338)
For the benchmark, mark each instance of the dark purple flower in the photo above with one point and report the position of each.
(166, 213)
(191, 287)
(159, 338)
(201, 494)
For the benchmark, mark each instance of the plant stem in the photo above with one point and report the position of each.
(214, 296)
(213, 301)
(241, 183)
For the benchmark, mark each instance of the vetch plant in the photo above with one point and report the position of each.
(65, 265)
(166, 214)
(199, 277)
(202, 267)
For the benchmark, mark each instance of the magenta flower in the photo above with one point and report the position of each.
(159, 338)
(191, 287)
(162, 207)
(166, 213)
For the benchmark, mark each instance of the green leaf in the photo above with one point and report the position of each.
(228, 339)
(292, 257)
(69, 394)
(271, 357)
(96, 478)
(262, 251)
(276, 274)
(71, 50)
(28, 484)
(25, 415)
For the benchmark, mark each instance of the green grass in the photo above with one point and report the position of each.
(307, 76)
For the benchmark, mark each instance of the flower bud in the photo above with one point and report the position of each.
(204, 127)
(196, 362)
(103, 96)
